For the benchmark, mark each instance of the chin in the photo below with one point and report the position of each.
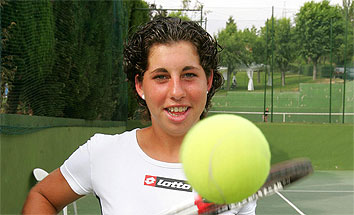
(178, 131)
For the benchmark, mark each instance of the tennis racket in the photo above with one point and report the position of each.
(281, 175)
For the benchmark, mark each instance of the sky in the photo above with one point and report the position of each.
(246, 13)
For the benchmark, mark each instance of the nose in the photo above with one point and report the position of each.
(177, 91)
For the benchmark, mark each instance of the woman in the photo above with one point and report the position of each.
(172, 65)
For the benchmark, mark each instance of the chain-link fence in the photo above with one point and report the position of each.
(64, 58)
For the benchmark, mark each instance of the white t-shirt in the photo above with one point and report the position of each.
(125, 179)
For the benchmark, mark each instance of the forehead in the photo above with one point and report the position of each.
(182, 51)
(174, 44)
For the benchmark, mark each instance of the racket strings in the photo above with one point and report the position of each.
(281, 175)
(265, 191)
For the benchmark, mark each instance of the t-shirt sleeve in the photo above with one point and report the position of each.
(249, 209)
(77, 170)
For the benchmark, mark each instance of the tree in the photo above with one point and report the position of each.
(84, 58)
(249, 39)
(64, 58)
(186, 4)
(130, 19)
(31, 47)
(349, 7)
(346, 54)
(8, 68)
(284, 52)
(258, 46)
(238, 47)
(180, 15)
(229, 41)
(313, 24)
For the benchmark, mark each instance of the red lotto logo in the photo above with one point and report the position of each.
(150, 180)
(167, 183)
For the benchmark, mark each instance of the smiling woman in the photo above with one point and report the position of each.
(175, 87)
(172, 66)
(167, 32)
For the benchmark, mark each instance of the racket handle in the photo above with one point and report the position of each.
(195, 207)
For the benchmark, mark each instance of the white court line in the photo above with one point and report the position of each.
(290, 203)
(325, 185)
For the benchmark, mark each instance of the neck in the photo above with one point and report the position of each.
(159, 145)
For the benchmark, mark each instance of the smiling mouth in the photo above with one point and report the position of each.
(175, 111)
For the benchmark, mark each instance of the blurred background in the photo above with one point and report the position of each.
(288, 66)
(64, 58)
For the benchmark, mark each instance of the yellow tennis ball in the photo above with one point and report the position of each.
(226, 158)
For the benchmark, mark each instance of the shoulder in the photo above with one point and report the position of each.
(106, 142)
(112, 138)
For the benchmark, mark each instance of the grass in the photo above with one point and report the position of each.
(292, 81)
(300, 94)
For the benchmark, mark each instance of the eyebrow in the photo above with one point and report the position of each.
(186, 68)
(189, 68)
(159, 70)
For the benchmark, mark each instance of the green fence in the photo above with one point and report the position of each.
(48, 147)
(46, 143)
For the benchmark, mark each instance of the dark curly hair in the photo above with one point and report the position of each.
(164, 30)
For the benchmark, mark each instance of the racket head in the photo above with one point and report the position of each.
(288, 172)
(281, 176)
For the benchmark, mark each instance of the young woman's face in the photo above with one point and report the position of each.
(174, 86)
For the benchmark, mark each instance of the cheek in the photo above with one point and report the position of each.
(155, 95)
(199, 92)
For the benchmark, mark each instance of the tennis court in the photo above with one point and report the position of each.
(323, 193)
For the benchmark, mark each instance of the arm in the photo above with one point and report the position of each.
(50, 195)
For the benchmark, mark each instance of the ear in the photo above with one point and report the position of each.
(139, 86)
(210, 79)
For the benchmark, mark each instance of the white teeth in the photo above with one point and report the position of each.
(177, 109)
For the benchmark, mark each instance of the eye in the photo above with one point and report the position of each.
(160, 77)
(189, 75)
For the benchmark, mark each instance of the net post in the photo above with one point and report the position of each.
(330, 74)
(265, 75)
(201, 15)
(0, 51)
(345, 58)
(1, 93)
(272, 67)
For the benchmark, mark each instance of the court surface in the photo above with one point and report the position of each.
(323, 193)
